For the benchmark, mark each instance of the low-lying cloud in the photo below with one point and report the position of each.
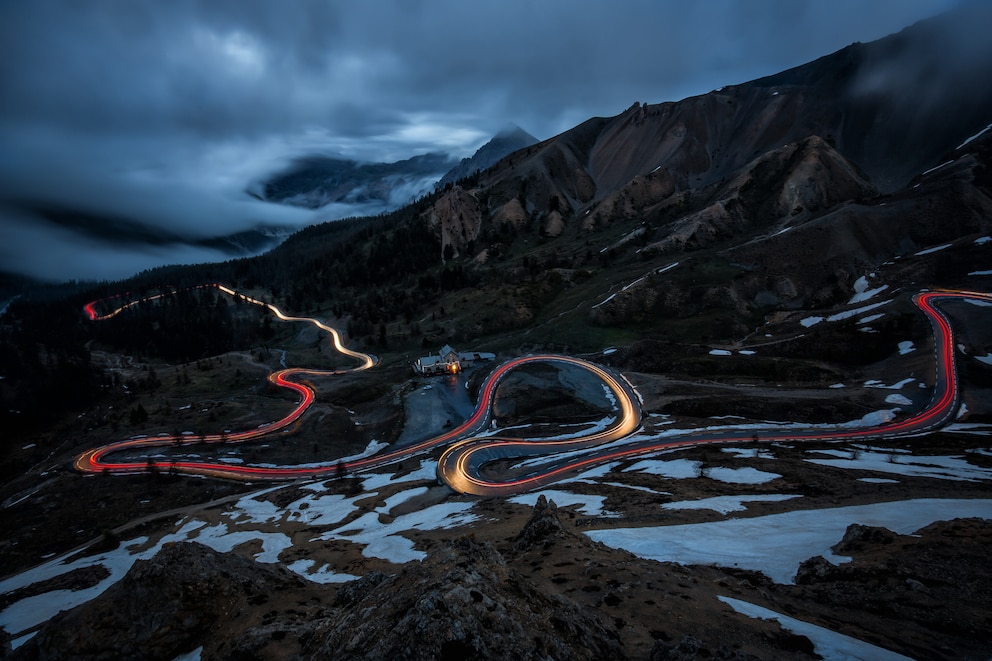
(165, 112)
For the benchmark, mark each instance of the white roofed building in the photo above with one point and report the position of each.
(449, 361)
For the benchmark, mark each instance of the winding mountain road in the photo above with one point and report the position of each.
(461, 465)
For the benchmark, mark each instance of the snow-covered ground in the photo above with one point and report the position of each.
(937, 467)
(830, 645)
(776, 544)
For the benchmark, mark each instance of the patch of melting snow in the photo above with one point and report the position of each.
(862, 292)
(898, 385)
(597, 471)
(838, 385)
(896, 398)
(589, 505)
(400, 498)
(427, 471)
(987, 359)
(746, 352)
(937, 467)
(727, 504)
(929, 251)
(745, 475)
(906, 347)
(810, 321)
(748, 453)
(604, 302)
(304, 567)
(675, 468)
(877, 480)
(847, 314)
(221, 540)
(870, 318)
(326, 510)
(777, 543)
(193, 655)
(382, 540)
(829, 645)
(980, 273)
(977, 135)
(937, 167)
(17, 642)
(720, 352)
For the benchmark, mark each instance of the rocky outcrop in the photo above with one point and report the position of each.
(457, 218)
(463, 602)
(544, 526)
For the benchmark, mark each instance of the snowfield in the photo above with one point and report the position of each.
(776, 544)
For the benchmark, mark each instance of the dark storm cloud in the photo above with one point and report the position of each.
(165, 111)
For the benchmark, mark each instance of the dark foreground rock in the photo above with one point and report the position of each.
(184, 596)
(462, 602)
(546, 592)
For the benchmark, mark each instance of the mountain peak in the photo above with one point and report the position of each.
(509, 139)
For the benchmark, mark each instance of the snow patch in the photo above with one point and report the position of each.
(676, 468)
(937, 467)
(977, 135)
(304, 566)
(829, 645)
(933, 169)
(382, 540)
(861, 291)
(934, 249)
(776, 544)
(746, 475)
(727, 504)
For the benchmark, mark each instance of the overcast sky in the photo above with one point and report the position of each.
(164, 111)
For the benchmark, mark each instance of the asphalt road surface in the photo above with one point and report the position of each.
(461, 465)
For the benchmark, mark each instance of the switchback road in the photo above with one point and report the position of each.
(461, 465)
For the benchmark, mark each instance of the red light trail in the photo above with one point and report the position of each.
(460, 465)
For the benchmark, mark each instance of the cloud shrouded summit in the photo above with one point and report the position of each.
(162, 113)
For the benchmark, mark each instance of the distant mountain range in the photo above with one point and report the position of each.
(689, 219)
(316, 181)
